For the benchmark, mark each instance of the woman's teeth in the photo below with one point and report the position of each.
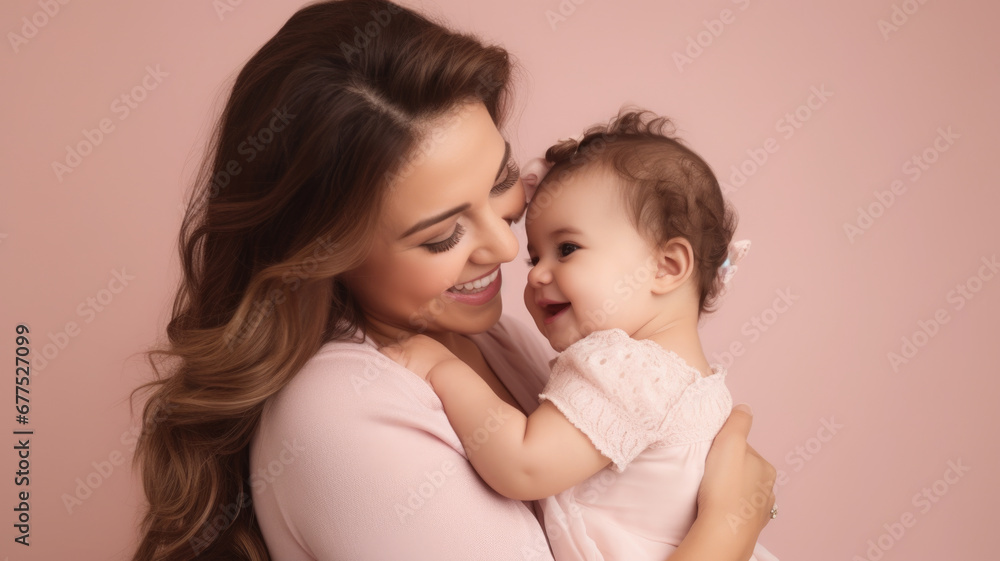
(476, 285)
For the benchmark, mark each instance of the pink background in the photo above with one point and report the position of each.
(823, 360)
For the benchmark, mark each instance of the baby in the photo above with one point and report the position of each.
(629, 240)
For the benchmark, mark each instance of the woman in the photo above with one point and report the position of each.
(359, 191)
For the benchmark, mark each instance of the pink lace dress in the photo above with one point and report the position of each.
(655, 417)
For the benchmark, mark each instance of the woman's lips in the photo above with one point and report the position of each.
(496, 270)
(479, 297)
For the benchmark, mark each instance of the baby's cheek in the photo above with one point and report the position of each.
(529, 303)
(529, 299)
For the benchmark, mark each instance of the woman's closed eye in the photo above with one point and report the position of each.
(513, 174)
(450, 242)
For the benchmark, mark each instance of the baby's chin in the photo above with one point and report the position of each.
(560, 343)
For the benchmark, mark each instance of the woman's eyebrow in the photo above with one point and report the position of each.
(428, 222)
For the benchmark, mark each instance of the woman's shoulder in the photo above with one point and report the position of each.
(348, 375)
(344, 361)
(355, 459)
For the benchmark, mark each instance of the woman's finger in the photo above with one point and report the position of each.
(730, 443)
(739, 422)
(763, 496)
(769, 471)
(738, 484)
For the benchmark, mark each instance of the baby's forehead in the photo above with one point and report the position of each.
(550, 200)
(570, 190)
(572, 205)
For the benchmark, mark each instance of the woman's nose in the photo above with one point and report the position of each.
(498, 244)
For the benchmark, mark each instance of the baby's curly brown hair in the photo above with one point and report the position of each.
(668, 188)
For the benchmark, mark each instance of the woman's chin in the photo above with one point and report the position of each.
(471, 320)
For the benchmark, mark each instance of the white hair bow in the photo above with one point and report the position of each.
(737, 251)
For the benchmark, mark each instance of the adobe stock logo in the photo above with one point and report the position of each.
(425, 490)
(788, 125)
(566, 9)
(899, 17)
(122, 106)
(224, 7)
(914, 168)
(30, 26)
(963, 293)
(797, 458)
(88, 309)
(714, 28)
(757, 325)
(924, 500)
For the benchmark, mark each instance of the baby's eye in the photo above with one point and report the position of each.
(531, 261)
(567, 248)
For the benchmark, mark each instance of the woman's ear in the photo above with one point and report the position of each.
(674, 265)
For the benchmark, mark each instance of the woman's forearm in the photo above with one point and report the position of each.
(712, 539)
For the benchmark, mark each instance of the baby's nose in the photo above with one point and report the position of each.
(539, 275)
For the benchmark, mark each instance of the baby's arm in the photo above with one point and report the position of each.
(525, 458)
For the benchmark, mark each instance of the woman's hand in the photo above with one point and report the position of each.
(419, 354)
(737, 490)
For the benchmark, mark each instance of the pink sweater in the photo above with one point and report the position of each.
(355, 460)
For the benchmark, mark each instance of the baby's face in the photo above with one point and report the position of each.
(592, 270)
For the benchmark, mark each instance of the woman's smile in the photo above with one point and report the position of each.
(476, 284)
(478, 291)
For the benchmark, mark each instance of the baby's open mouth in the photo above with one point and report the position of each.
(553, 309)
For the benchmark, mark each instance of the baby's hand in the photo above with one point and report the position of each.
(418, 353)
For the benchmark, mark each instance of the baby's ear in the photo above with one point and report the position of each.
(532, 173)
(674, 265)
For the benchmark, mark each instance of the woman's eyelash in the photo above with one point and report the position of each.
(513, 173)
(445, 245)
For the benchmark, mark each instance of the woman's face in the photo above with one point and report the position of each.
(446, 223)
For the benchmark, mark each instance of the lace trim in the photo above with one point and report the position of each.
(628, 395)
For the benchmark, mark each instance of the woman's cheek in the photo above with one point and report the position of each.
(424, 278)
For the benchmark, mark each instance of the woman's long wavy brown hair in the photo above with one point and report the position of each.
(318, 123)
